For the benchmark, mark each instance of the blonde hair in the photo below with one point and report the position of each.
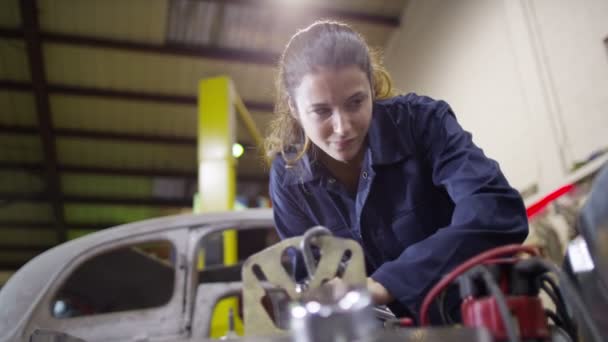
(341, 46)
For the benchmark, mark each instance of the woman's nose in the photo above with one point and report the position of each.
(342, 124)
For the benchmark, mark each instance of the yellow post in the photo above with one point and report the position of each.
(217, 174)
(216, 134)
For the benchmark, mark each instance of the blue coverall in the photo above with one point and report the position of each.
(427, 199)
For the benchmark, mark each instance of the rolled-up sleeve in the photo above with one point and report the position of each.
(488, 212)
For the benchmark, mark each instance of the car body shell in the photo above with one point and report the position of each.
(26, 299)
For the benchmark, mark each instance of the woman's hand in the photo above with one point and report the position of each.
(380, 294)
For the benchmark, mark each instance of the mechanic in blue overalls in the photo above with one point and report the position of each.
(396, 173)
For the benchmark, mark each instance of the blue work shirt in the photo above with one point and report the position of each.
(427, 200)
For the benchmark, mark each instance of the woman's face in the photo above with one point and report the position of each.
(334, 107)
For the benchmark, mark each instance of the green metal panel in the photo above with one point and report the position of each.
(76, 233)
(28, 237)
(21, 182)
(20, 148)
(14, 64)
(24, 211)
(114, 115)
(137, 71)
(107, 186)
(10, 15)
(17, 108)
(88, 152)
(135, 20)
(96, 213)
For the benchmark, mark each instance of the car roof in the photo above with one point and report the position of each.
(27, 286)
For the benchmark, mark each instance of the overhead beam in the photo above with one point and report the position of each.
(89, 134)
(112, 136)
(161, 202)
(34, 250)
(123, 95)
(11, 33)
(31, 34)
(150, 201)
(171, 49)
(16, 85)
(21, 166)
(25, 224)
(141, 138)
(188, 175)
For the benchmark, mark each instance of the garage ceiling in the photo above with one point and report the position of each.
(98, 103)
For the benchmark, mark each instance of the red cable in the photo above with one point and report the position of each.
(465, 266)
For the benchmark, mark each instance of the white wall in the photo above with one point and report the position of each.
(572, 34)
(503, 67)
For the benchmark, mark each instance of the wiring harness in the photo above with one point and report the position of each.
(500, 292)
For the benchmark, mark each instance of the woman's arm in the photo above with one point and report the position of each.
(488, 212)
(291, 221)
(289, 218)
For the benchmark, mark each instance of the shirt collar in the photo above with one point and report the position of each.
(385, 136)
(306, 170)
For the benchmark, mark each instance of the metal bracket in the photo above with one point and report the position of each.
(332, 249)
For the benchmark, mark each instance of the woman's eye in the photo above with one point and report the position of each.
(355, 104)
(322, 112)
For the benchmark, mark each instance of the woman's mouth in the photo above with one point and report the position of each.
(343, 144)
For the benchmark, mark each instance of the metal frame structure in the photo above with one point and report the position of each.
(51, 168)
(31, 33)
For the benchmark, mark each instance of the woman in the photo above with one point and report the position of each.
(397, 174)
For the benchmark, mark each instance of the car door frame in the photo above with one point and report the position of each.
(196, 234)
(160, 323)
